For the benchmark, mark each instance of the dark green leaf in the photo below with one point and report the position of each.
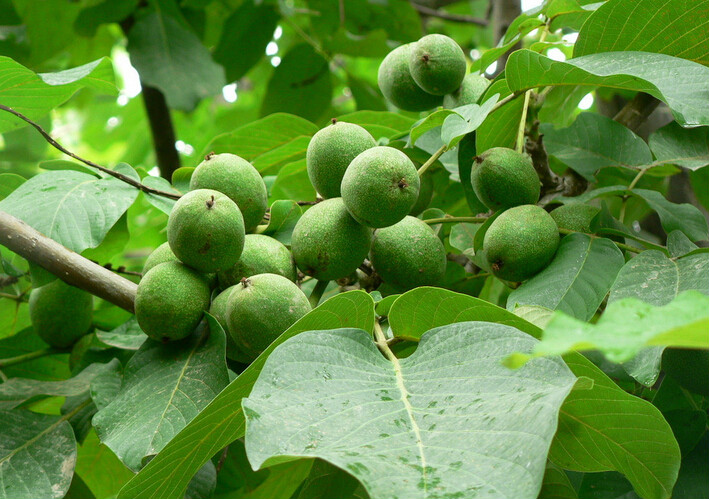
(686, 147)
(684, 217)
(128, 336)
(500, 127)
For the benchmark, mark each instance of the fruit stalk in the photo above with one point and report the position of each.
(71, 267)
(11, 361)
(432, 160)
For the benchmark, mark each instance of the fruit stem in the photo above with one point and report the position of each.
(622, 246)
(450, 220)
(25, 357)
(522, 123)
(432, 159)
(317, 292)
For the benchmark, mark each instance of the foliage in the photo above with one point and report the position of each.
(565, 385)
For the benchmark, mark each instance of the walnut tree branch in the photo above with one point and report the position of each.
(128, 180)
(69, 266)
(636, 111)
(457, 18)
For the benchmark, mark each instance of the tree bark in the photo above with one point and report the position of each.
(503, 13)
(69, 266)
(161, 128)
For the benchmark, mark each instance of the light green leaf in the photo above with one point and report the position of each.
(34, 95)
(128, 335)
(271, 162)
(686, 147)
(466, 119)
(448, 420)
(160, 202)
(173, 59)
(222, 421)
(102, 471)
(8, 183)
(181, 178)
(462, 235)
(683, 85)
(293, 183)
(37, 455)
(577, 279)
(284, 215)
(684, 217)
(164, 388)
(74, 208)
(672, 27)
(396, 121)
(433, 120)
(586, 148)
(424, 308)
(500, 128)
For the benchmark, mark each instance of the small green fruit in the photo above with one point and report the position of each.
(261, 255)
(260, 308)
(238, 179)
(218, 309)
(161, 254)
(60, 313)
(398, 86)
(472, 88)
(327, 243)
(330, 152)
(503, 178)
(206, 230)
(425, 194)
(437, 64)
(170, 301)
(575, 216)
(521, 242)
(408, 254)
(380, 186)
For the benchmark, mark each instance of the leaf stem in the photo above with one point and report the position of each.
(382, 342)
(432, 160)
(11, 361)
(624, 246)
(630, 188)
(128, 180)
(522, 123)
(450, 220)
(504, 101)
(317, 292)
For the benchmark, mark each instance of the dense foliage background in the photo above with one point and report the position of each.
(618, 118)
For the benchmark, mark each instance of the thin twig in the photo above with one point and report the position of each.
(128, 180)
(432, 160)
(522, 123)
(120, 270)
(456, 18)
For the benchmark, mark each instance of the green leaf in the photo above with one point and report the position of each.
(462, 235)
(8, 183)
(693, 480)
(181, 178)
(173, 59)
(686, 147)
(443, 420)
(422, 309)
(556, 484)
(245, 34)
(325, 481)
(466, 119)
(681, 84)
(366, 119)
(74, 208)
(37, 455)
(102, 471)
(466, 155)
(606, 429)
(293, 183)
(284, 216)
(108, 11)
(560, 105)
(371, 44)
(48, 368)
(160, 202)
(34, 95)
(672, 27)
(683, 217)
(629, 325)
(586, 148)
(164, 388)
(577, 279)
(272, 161)
(15, 391)
(300, 85)
(500, 127)
(430, 122)
(127, 336)
(222, 421)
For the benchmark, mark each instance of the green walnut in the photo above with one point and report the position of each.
(575, 216)
(472, 88)
(262, 307)
(218, 309)
(60, 313)
(238, 179)
(161, 254)
(425, 194)
(170, 301)
(261, 255)
(206, 230)
(437, 64)
(408, 254)
(503, 178)
(330, 152)
(380, 187)
(327, 243)
(520, 242)
(398, 86)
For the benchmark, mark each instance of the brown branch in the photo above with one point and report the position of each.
(69, 266)
(456, 18)
(636, 110)
(128, 180)
(162, 130)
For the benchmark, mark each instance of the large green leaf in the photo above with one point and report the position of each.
(422, 309)
(500, 127)
(99, 467)
(34, 95)
(556, 484)
(606, 429)
(164, 388)
(173, 59)
(74, 208)
(448, 421)
(466, 119)
(222, 421)
(301, 84)
(577, 279)
(684, 217)
(284, 215)
(37, 455)
(672, 27)
(680, 83)
(686, 147)
(586, 148)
